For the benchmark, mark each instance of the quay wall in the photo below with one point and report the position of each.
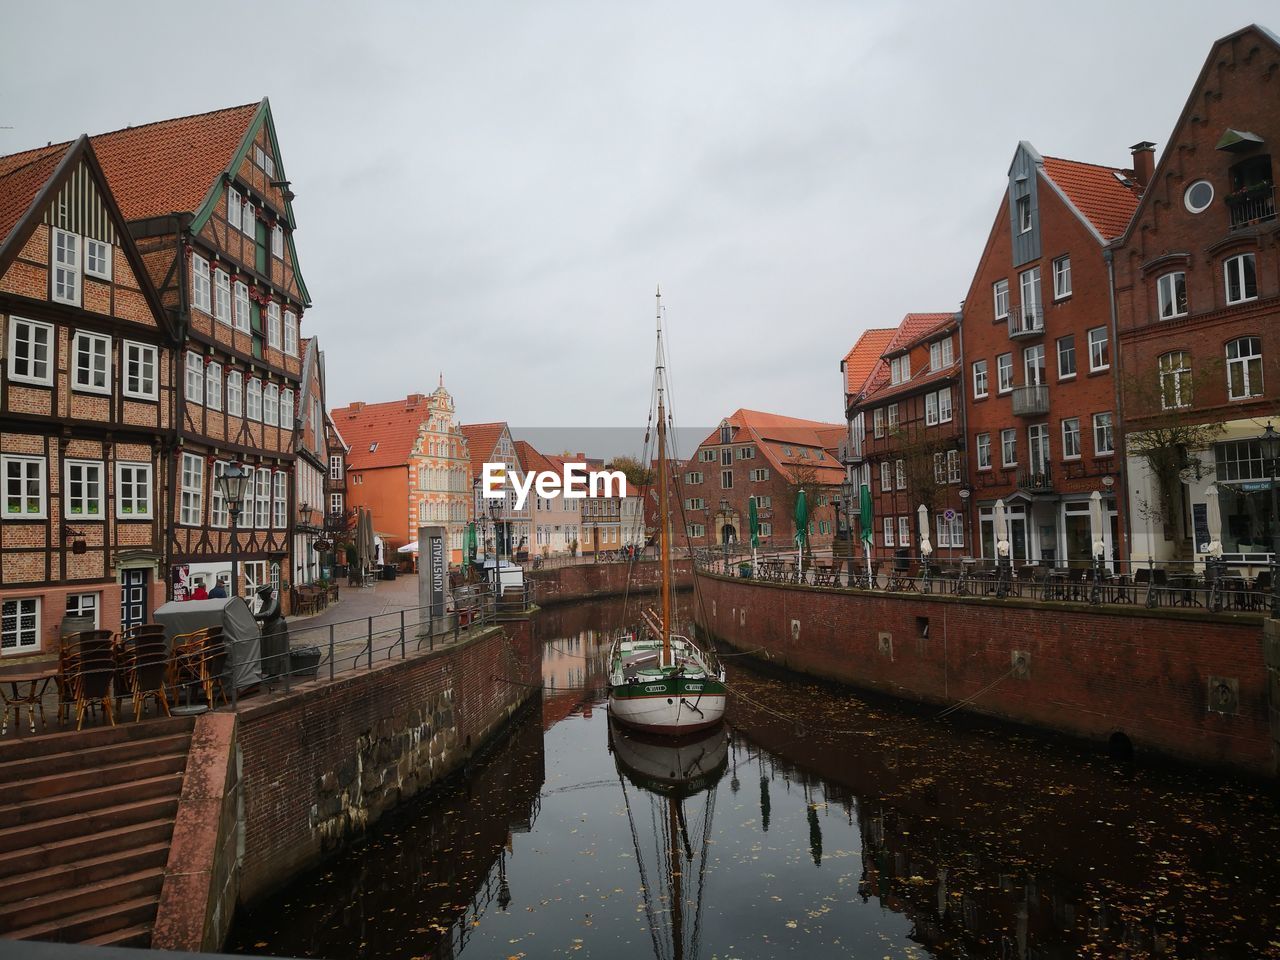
(324, 762)
(1187, 684)
(595, 581)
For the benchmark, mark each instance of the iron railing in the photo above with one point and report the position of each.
(1254, 207)
(1031, 400)
(1025, 321)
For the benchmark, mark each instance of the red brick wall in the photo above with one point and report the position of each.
(586, 581)
(1090, 673)
(323, 763)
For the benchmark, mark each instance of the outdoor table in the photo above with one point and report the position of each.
(1183, 591)
(37, 683)
(1233, 592)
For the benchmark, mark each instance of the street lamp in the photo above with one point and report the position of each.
(724, 532)
(1269, 444)
(232, 485)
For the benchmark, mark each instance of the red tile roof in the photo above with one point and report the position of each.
(20, 183)
(861, 360)
(393, 426)
(1096, 192)
(482, 439)
(771, 432)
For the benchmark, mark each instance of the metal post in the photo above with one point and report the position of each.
(235, 550)
(331, 651)
(403, 653)
(1275, 545)
(369, 641)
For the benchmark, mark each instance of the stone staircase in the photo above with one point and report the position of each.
(85, 824)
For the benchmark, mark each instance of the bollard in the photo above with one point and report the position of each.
(331, 651)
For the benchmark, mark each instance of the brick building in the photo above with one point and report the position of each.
(912, 448)
(1040, 391)
(1197, 288)
(86, 404)
(510, 530)
(765, 457)
(312, 468)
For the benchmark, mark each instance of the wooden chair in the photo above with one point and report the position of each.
(149, 675)
(93, 671)
(187, 654)
(213, 669)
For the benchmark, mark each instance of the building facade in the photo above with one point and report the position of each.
(311, 474)
(556, 520)
(507, 530)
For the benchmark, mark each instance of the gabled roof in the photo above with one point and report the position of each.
(482, 440)
(21, 183)
(772, 432)
(394, 427)
(346, 447)
(1097, 192)
(914, 328)
(861, 360)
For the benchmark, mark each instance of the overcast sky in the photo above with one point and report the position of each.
(493, 190)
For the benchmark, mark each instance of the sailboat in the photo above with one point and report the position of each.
(660, 682)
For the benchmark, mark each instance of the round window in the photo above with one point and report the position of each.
(1198, 196)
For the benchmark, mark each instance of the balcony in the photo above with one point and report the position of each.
(1035, 480)
(1026, 321)
(1252, 205)
(1031, 401)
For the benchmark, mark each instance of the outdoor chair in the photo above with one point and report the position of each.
(148, 675)
(92, 673)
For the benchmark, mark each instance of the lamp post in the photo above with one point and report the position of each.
(494, 508)
(844, 527)
(1269, 443)
(724, 533)
(231, 485)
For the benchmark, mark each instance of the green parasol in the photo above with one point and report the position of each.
(753, 521)
(471, 541)
(864, 519)
(802, 518)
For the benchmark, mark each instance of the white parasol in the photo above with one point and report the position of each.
(1213, 515)
(1001, 529)
(1095, 524)
(926, 548)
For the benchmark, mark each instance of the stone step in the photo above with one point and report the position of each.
(86, 824)
(61, 906)
(70, 741)
(39, 790)
(135, 936)
(115, 841)
(93, 924)
(81, 802)
(73, 873)
(43, 765)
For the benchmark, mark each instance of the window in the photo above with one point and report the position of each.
(1009, 447)
(335, 468)
(335, 503)
(746, 453)
(1175, 380)
(262, 500)
(273, 324)
(277, 240)
(248, 218)
(1033, 365)
(900, 474)
(900, 369)
(1242, 278)
(235, 393)
(222, 296)
(30, 351)
(886, 480)
(133, 491)
(66, 267)
(286, 409)
(1066, 357)
(1171, 290)
(888, 531)
(1029, 287)
(1244, 368)
(194, 387)
(939, 468)
(726, 479)
(904, 531)
(1099, 349)
(950, 531)
(23, 487)
(200, 292)
(213, 385)
(930, 409)
(984, 451)
(271, 405)
(253, 407)
(83, 497)
(291, 333)
(877, 422)
(242, 321)
(1000, 296)
(233, 206)
(707, 456)
(692, 476)
(726, 457)
(279, 500)
(1004, 373)
(891, 412)
(940, 354)
(1103, 442)
(1071, 438)
(83, 605)
(20, 625)
(1061, 278)
(1024, 214)
(953, 466)
(139, 370)
(759, 475)
(766, 528)
(92, 354)
(695, 503)
(192, 502)
(979, 379)
(695, 530)
(1198, 196)
(97, 258)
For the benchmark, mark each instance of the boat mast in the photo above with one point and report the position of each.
(664, 506)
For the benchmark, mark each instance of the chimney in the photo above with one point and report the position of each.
(412, 400)
(356, 406)
(1144, 162)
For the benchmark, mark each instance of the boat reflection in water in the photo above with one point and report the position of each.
(669, 789)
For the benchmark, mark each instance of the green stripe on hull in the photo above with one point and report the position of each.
(670, 687)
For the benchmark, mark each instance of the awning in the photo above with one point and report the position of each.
(409, 548)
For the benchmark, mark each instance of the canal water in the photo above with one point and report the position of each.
(814, 824)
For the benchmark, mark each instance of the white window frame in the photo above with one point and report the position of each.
(97, 258)
(286, 409)
(887, 526)
(1096, 362)
(1233, 268)
(877, 423)
(142, 355)
(1243, 361)
(213, 385)
(234, 210)
(34, 362)
(98, 353)
(930, 409)
(1004, 384)
(900, 474)
(982, 444)
(235, 393)
(279, 500)
(271, 405)
(1175, 382)
(249, 220)
(336, 503)
(1070, 430)
(1000, 298)
(64, 262)
(1008, 440)
(981, 385)
(262, 499)
(886, 476)
(946, 410)
(191, 479)
(1062, 278)
(891, 417)
(129, 476)
(1167, 295)
(1060, 353)
(31, 468)
(904, 532)
(201, 284)
(14, 607)
(242, 316)
(277, 241)
(1099, 426)
(92, 473)
(253, 400)
(1025, 219)
(273, 325)
(85, 605)
(290, 333)
(193, 381)
(222, 296)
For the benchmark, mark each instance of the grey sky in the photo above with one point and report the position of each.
(493, 189)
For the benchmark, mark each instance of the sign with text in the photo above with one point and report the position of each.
(438, 565)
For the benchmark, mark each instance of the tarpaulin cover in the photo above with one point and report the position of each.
(239, 629)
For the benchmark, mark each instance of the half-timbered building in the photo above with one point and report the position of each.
(86, 404)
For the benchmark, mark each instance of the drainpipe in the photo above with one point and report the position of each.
(1126, 530)
(962, 387)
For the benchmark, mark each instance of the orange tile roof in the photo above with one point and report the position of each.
(1096, 192)
(482, 439)
(20, 183)
(393, 426)
(863, 356)
(773, 431)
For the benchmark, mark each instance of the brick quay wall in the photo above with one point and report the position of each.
(1189, 685)
(595, 581)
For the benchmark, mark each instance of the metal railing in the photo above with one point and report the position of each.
(1031, 400)
(1213, 586)
(1253, 207)
(1025, 321)
(1035, 480)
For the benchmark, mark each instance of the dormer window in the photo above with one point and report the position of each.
(1024, 214)
(373, 447)
(900, 369)
(940, 355)
(726, 432)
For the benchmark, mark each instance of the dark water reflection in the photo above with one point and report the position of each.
(831, 828)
